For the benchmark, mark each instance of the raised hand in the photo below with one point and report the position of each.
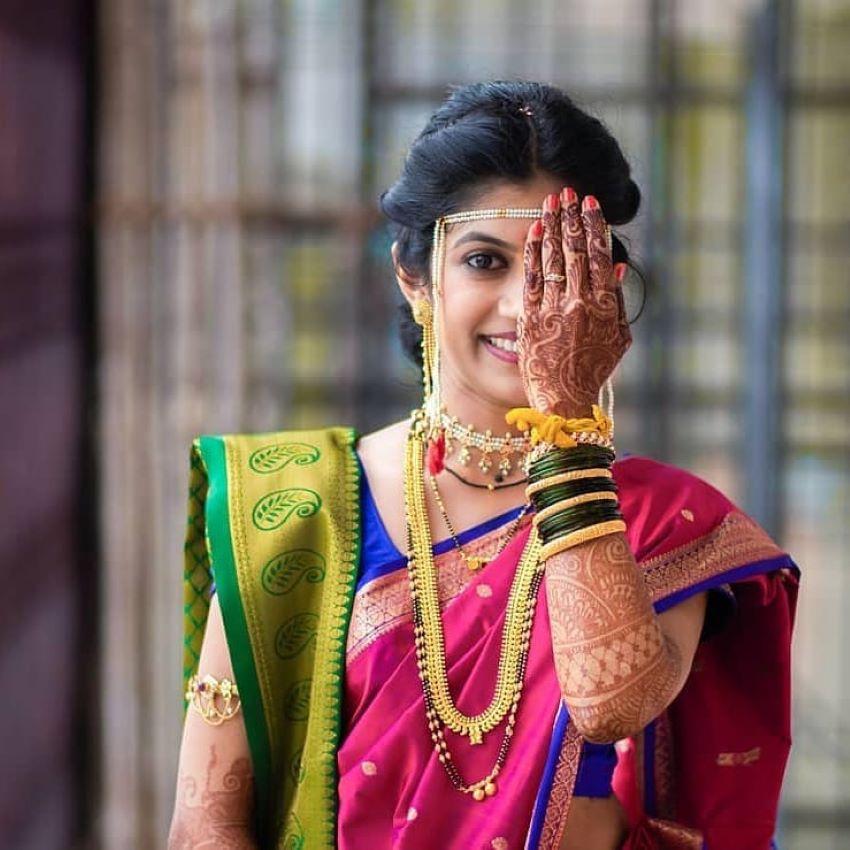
(573, 330)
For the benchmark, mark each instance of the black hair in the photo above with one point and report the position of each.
(500, 130)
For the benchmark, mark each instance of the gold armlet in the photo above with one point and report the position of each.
(216, 701)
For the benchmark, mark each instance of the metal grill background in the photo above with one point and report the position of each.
(245, 284)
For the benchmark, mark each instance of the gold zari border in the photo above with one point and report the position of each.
(738, 540)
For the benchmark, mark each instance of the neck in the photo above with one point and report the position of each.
(471, 410)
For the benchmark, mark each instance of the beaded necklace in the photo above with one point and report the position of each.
(475, 562)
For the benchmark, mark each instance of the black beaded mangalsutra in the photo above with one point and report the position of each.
(498, 477)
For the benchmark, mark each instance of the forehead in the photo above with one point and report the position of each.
(503, 194)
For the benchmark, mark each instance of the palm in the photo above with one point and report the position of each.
(573, 332)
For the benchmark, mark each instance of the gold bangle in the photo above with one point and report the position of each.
(604, 496)
(202, 696)
(581, 536)
(564, 477)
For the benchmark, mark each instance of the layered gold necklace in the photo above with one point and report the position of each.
(440, 708)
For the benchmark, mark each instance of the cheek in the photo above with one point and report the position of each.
(464, 315)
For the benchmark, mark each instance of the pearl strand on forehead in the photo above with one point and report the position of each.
(502, 212)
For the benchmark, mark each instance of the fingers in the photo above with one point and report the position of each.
(598, 250)
(552, 252)
(574, 244)
(532, 292)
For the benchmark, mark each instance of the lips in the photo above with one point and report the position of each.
(502, 346)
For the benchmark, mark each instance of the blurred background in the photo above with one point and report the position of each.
(189, 243)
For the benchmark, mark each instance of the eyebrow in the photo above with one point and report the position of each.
(478, 236)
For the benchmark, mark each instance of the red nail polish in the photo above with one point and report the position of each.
(537, 229)
(551, 202)
(591, 203)
(620, 271)
(572, 197)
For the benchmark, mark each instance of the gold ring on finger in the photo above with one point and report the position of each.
(555, 278)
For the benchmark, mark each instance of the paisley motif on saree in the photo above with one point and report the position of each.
(275, 518)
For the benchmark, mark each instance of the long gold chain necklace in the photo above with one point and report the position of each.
(440, 709)
(475, 562)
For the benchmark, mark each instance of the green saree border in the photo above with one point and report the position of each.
(333, 649)
(233, 615)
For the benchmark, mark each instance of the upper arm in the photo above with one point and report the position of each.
(215, 788)
(682, 626)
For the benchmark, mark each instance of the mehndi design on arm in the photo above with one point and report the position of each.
(617, 669)
(215, 814)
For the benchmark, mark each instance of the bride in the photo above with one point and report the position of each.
(483, 626)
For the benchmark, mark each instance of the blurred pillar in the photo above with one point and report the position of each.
(764, 294)
(48, 603)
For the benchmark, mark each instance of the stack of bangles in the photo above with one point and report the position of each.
(574, 496)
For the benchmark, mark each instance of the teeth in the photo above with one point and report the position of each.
(504, 344)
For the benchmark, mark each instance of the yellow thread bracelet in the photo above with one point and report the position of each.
(554, 429)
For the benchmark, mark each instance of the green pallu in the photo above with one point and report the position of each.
(275, 519)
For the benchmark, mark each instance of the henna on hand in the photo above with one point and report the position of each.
(616, 667)
(571, 333)
(217, 814)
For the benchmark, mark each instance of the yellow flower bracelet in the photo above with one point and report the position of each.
(556, 430)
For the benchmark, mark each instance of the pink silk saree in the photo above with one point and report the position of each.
(706, 773)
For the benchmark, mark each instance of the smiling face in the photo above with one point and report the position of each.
(482, 298)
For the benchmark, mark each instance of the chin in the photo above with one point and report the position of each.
(507, 393)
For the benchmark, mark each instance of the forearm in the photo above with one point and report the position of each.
(188, 833)
(213, 806)
(616, 668)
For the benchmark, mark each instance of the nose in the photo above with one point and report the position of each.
(510, 299)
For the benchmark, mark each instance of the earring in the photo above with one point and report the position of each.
(423, 315)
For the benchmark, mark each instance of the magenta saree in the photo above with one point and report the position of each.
(679, 780)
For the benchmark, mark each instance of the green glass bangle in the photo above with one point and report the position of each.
(585, 450)
(567, 456)
(579, 514)
(573, 520)
(553, 463)
(559, 492)
(565, 523)
(563, 532)
(556, 465)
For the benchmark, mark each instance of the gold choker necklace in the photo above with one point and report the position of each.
(486, 444)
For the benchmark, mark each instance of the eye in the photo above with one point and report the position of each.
(481, 261)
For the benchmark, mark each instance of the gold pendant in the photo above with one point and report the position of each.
(475, 563)
(474, 735)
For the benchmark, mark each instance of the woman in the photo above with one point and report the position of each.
(599, 659)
